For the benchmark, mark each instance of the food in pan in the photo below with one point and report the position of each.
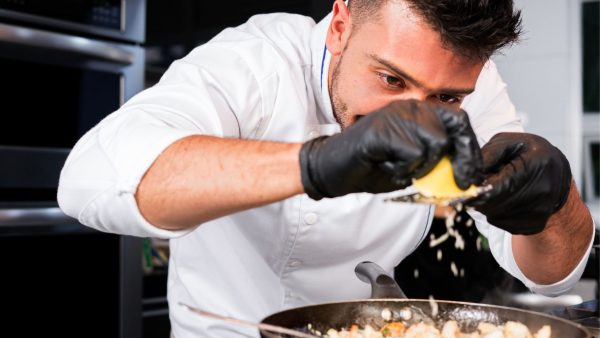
(450, 329)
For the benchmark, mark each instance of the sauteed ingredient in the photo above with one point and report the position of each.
(386, 314)
(450, 329)
(393, 329)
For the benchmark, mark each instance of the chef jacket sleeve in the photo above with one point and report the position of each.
(492, 112)
(501, 247)
(212, 91)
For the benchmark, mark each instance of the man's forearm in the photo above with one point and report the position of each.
(200, 178)
(551, 255)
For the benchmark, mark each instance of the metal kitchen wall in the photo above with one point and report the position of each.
(545, 74)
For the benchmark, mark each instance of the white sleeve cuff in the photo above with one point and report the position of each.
(98, 186)
(554, 289)
(124, 218)
(500, 242)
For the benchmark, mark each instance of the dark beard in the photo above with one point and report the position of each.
(339, 107)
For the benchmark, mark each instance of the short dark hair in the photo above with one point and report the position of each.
(473, 28)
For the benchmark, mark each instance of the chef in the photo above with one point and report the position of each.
(266, 154)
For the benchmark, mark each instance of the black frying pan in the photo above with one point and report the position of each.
(386, 294)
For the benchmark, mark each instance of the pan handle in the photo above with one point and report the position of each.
(382, 285)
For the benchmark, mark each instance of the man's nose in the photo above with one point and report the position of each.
(414, 94)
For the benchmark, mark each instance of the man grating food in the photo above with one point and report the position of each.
(266, 154)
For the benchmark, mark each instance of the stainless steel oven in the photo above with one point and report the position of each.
(54, 87)
(64, 65)
(118, 19)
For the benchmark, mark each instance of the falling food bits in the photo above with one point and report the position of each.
(459, 243)
(416, 273)
(437, 241)
(450, 220)
(439, 255)
(434, 306)
(454, 269)
(462, 272)
(469, 222)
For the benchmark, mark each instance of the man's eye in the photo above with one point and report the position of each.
(392, 81)
(449, 99)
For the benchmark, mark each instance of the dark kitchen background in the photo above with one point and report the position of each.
(176, 27)
(65, 64)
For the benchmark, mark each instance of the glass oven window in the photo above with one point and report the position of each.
(52, 106)
(100, 13)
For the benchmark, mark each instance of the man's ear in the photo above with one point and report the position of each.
(339, 28)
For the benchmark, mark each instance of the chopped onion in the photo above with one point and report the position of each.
(386, 314)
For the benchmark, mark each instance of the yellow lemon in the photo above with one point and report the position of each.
(439, 183)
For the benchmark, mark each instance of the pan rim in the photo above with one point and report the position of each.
(449, 302)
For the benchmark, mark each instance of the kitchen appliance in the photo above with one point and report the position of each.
(388, 295)
(116, 19)
(54, 88)
(586, 314)
(65, 65)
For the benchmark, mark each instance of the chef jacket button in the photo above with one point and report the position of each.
(313, 134)
(294, 263)
(310, 218)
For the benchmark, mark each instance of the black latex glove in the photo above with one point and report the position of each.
(531, 180)
(384, 150)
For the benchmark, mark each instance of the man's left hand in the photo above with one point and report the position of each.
(531, 180)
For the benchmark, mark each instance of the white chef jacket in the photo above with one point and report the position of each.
(265, 79)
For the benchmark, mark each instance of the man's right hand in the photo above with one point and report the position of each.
(386, 149)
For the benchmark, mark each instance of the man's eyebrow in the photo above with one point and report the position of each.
(403, 74)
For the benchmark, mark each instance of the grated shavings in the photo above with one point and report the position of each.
(434, 306)
(454, 269)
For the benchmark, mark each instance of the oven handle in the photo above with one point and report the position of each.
(34, 216)
(67, 43)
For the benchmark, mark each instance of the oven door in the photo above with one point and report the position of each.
(119, 19)
(69, 281)
(54, 88)
(60, 275)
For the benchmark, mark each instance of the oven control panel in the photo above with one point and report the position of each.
(98, 13)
